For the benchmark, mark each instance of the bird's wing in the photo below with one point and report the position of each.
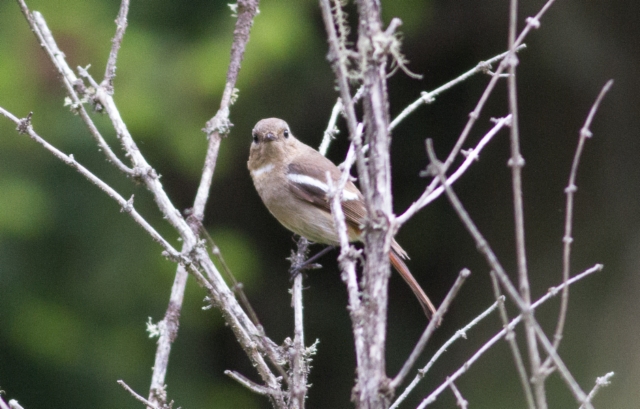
(308, 183)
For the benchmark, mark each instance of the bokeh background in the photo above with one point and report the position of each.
(79, 280)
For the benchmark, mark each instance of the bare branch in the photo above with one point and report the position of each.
(567, 239)
(342, 76)
(511, 339)
(198, 259)
(136, 396)
(461, 333)
(431, 327)
(217, 126)
(550, 294)
(168, 334)
(121, 26)
(332, 129)
(460, 400)
(299, 367)
(526, 310)
(24, 127)
(431, 193)
(483, 247)
(72, 84)
(532, 22)
(252, 386)
(600, 383)
(348, 254)
(13, 404)
(564, 372)
(430, 96)
(516, 162)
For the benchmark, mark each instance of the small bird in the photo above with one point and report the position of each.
(291, 179)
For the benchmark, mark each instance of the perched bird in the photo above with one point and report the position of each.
(290, 177)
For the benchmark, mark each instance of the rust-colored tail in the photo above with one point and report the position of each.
(395, 256)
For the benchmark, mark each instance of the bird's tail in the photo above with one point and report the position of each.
(395, 256)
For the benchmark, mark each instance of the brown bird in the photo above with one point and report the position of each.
(290, 177)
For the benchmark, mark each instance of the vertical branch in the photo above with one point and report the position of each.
(366, 384)
(516, 162)
(511, 339)
(337, 58)
(121, 26)
(220, 122)
(74, 86)
(299, 369)
(373, 43)
(348, 256)
(567, 239)
(194, 257)
(168, 332)
(219, 125)
(532, 23)
(298, 363)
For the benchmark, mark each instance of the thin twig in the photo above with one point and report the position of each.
(136, 396)
(482, 245)
(433, 324)
(431, 193)
(219, 125)
(532, 22)
(491, 342)
(348, 254)
(567, 239)
(252, 386)
(168, 334)
(342, 76)
(601, 382)
(13, 404)
(461, 333)
(24, 127)
(430, 96)
(332, 128)
(246, 11)
(121, 26)
(526, 309)
(511, 339)
(72, 84)
(194, 256)
(236, 286)
(516, 162)
(564, 372)
(460, 400)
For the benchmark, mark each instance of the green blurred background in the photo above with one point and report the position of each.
(79, 279)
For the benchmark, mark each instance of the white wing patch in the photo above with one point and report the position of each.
(308, 180)
(346, 195)
(264, 169)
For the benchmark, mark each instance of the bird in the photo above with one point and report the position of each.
(291, 179)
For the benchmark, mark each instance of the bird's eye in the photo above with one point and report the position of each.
(255, 138)
(286, 133)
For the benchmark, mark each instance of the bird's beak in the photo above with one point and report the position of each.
(270, 136)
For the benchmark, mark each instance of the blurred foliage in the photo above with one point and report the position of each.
(79, 279)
